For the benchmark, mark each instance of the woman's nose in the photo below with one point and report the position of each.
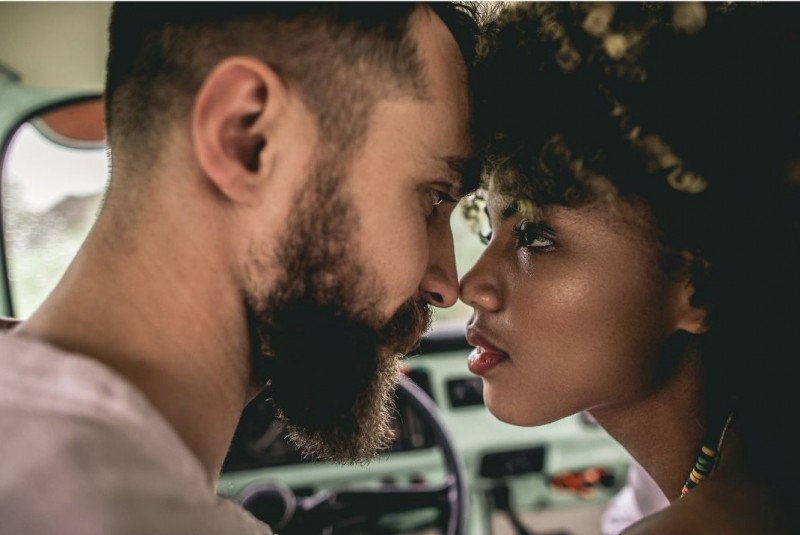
(479, 287)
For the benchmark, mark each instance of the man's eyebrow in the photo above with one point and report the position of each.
(465, 169)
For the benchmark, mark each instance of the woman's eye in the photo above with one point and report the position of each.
(533, 236)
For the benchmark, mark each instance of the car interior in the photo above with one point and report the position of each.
(452, 467)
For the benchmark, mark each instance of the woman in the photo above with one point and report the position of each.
(642, 163)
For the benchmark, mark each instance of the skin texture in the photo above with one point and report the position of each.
(588, 322)
(580, 313)
(168, 300)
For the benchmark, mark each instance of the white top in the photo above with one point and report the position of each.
(640, 497)
(83, 452)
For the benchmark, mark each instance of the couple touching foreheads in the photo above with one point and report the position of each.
(278, 216)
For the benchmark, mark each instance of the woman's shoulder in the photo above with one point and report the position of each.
(720, 507)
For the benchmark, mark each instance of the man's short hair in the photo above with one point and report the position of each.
(341, 57)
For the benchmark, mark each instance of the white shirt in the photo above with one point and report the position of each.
(640, 497)
(83, 452)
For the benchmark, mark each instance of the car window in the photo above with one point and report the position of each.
(52, 187)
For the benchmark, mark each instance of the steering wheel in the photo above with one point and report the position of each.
(350, 510)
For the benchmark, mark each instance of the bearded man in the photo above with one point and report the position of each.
(282, 177)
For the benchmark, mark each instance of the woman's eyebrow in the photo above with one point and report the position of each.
(508, 211)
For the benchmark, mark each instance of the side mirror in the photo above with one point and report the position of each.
(76, 125)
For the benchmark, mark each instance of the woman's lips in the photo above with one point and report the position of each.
(481, 361)
(485, 356)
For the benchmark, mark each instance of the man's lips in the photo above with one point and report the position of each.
(485, 356)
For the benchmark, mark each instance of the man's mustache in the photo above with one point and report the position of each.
(403, 331)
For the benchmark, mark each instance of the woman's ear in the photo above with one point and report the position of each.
(692, 318)
(693, 305)
(231, 125)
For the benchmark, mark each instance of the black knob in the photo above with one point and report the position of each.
(272, 502)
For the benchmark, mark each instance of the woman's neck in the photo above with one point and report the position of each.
(664, 427)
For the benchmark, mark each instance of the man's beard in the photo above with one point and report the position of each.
(330, 360)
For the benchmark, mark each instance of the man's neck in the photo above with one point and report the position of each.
(174, 330)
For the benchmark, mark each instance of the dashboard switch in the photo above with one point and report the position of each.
(466, 392)
(512, 463)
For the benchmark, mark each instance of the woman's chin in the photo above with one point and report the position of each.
(509, 411)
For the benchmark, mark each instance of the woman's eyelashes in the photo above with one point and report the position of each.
(535, 237)
(532, 236)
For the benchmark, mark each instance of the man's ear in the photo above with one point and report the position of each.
(692, 307)
(231, 119)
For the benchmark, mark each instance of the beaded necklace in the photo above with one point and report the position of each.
(707, 457)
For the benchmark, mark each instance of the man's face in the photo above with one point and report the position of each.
(409, 159)
(362, 254)
(330, 356)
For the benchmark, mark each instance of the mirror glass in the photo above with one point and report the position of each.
(53, 177)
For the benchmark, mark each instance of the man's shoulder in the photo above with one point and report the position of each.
(63, 407)
(107, 487)
(38, 377)
(94, 477)
(83, 445)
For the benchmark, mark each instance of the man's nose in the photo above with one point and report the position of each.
(439, 285)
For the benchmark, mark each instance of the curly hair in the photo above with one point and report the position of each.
(692, 110)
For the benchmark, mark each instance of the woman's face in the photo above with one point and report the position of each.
(569, 312)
